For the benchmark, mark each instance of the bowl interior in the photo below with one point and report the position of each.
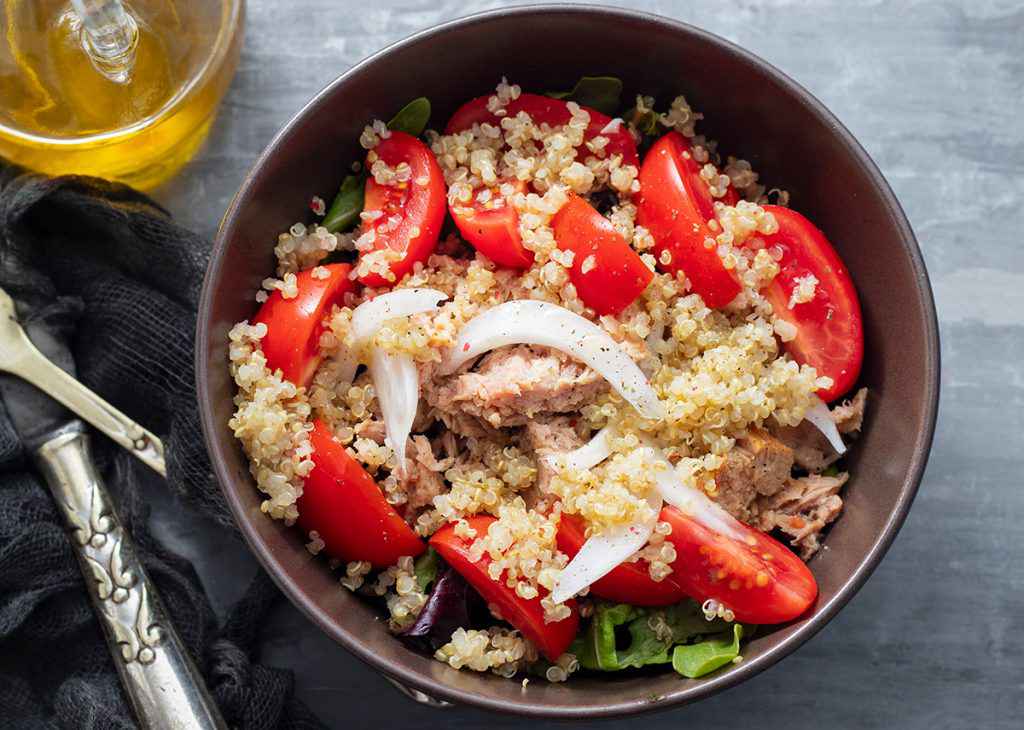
(755, 112)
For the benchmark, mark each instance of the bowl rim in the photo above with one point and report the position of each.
(685, 695)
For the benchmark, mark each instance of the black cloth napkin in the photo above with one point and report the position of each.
(105, 267)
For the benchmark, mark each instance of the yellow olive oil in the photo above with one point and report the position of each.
(60, 113)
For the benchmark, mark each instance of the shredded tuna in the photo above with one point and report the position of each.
(811, 450)
(849, 415)
(373, 430)
(759, 465)
(802, 510)
(423, 479)
(514, 384)
(545, 438)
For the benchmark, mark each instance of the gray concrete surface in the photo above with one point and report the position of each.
(935, 92)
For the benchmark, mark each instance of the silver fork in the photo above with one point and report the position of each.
(164, 687)
(20, 357)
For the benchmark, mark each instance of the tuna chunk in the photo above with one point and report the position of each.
(758, 465)
(512, 385)
(810, 448)
(802, 510)
(423, 480)
(849, 415)
(545, 437)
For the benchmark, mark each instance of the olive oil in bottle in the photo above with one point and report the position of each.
(123, 91)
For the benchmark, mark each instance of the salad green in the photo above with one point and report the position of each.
(621, 636)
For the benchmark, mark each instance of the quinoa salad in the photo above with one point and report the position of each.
(560, 386)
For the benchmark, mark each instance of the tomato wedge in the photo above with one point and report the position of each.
(492, 228)
(829, 327)
(411, 212)
(294, 326)
(673, 206)
(553, 112)
(343, 503)
(757, 577)
(628, 583)
(527, 615)
(607, 273)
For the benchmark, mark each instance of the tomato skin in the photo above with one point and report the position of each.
(553, 112)
(294, 326)
(830, 329)
(698, 189)
(494, 232)
(711, 565)
(343, 503)
(672, 207)
(617, 274)
(628, 583)
(421, 208)
(527, 615)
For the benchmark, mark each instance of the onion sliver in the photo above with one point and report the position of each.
(397, 384)
(604, 552)
(588, 455)
(530, 322)
(691, 501)
(821, 419)
(368, 317)
(395, 379)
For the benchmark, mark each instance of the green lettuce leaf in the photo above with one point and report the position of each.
(651, 634)
(346, 206)
(598, 92)
(646, 122)
(704, 657)
(595, 647)
(412, 118)
(425, 569)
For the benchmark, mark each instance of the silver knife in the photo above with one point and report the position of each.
(164, 687)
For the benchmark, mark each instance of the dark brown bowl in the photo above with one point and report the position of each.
(755, 111)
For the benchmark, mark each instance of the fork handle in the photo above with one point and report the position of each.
(36, 368)
(163, 685)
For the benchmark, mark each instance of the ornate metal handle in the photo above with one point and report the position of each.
(162, 683)
(23, 359)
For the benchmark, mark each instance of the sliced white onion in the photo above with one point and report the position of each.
(586, 456)
(368, 317)
(691, 501)
(397, 385)
(531, 322)
(821, 419)
(602, 553)
(395, 378)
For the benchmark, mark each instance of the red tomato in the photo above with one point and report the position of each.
(494, 231)
(553, 112)
(758, 578)
(628, 583)
(343, 503)
(294, 326)
(695, 185)
(527, 615)
(607, 273)
(412, 212)
(830, 332)
(673, 206)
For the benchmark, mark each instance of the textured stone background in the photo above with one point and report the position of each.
(935, 92)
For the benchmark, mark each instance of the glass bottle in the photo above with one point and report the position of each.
(125, 91)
